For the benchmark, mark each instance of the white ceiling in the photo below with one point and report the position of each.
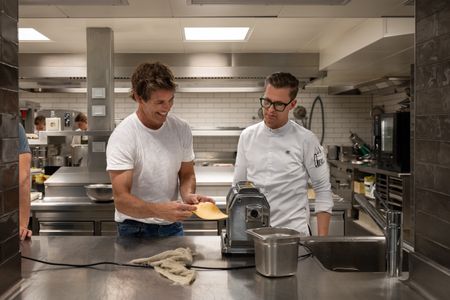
(157, 27)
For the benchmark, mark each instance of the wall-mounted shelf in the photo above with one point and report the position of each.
(73, 132)
(216, 132)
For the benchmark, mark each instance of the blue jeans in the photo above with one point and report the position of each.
(132, 228)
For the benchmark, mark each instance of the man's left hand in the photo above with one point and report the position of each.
(196, 198)
(24, 233)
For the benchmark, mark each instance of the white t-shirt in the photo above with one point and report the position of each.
(280, 161)
(155, 157)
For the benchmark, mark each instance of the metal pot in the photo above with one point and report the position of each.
(99, 192)
(57, 160)
(276, 250)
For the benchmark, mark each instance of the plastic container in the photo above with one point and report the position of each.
(276, 250)
(53, 124)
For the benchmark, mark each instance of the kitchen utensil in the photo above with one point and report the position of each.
(260, 113)
(99, 192)
(247, 208)
(276, 250)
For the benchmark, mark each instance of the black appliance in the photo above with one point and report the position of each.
(377, 135)
(394, 154)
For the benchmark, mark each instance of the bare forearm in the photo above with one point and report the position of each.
(24, 207)
(323, 223)
(134, 207)
(137, 208)
(24, 189)
(187, 185)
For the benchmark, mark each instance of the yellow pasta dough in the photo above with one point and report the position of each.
(209, 211)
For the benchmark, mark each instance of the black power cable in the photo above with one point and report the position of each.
(318, 99)
(128, 265)
(301, 257)
(86, 265)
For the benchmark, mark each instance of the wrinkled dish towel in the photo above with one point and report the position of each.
(172, 265)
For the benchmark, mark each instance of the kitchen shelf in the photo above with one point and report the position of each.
(216, 132)
(195, 132)
(73, 132)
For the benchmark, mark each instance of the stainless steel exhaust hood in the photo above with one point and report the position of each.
(270, 2)
(227, 72)
(74, 2)
(382, 86)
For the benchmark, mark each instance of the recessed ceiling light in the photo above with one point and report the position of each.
(215, 33)
(31, 34)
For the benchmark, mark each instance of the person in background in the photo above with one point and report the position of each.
(82, 123)
(39, 124)
(150, 160)
(280, 156)
(24, 184)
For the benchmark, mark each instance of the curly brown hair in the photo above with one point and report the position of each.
(81, 118)
(283, 80)
(39, 120)
(150, 77)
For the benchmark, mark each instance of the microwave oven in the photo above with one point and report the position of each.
(394, 151)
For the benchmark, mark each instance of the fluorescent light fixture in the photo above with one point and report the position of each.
(31, 34)
(215, 33)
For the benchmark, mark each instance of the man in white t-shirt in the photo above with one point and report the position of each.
(150, 160)
(280, 156)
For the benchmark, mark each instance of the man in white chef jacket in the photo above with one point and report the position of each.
(279, 156)
(150, 160)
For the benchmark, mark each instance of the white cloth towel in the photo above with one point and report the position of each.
(172, 265)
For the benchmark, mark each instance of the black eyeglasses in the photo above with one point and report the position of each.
(278, 106)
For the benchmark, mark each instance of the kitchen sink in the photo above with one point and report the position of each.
(351, 254)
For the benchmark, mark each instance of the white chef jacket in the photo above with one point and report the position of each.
(280, 161)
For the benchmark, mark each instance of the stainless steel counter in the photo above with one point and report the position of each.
(312, 281)
(66, 210)
(81, 216)
(81, 203)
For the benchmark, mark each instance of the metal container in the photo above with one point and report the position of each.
(79, 155)
(247, 208)
(99, 192)
(57, 160)
(276, 250)
(333, 152)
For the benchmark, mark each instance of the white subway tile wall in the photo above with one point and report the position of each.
(210, 110)
(389, 102)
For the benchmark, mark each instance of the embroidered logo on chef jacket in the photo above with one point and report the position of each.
(319, 158)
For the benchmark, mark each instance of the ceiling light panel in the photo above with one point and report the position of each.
(31, 34)
(216, 33)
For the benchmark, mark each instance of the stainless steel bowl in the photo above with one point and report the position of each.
(99, 192)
